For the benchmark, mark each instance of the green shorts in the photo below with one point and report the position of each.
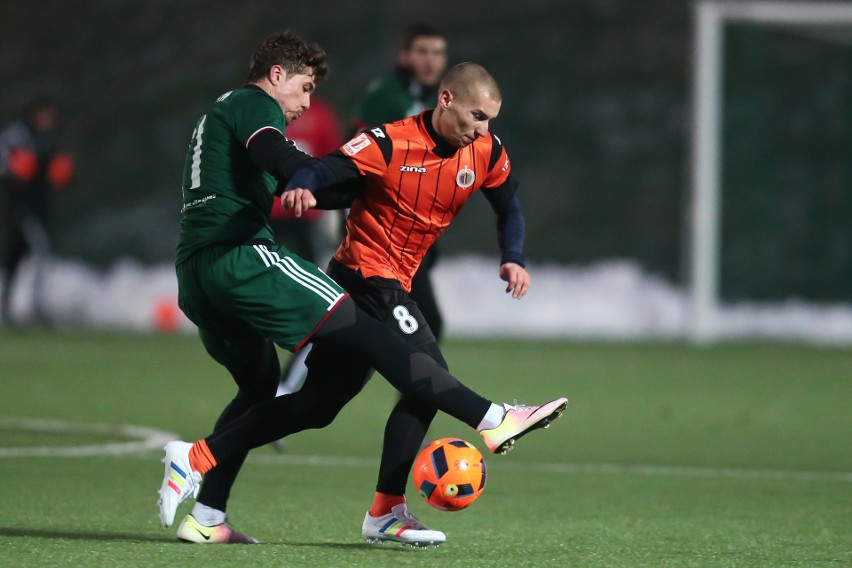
(261, 290)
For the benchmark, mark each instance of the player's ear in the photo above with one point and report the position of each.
(445, 97)
(277, 74)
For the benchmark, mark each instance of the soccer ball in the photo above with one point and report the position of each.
(449, 474)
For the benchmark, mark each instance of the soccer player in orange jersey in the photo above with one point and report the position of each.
(416, 175)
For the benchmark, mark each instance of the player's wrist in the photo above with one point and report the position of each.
(513, 258)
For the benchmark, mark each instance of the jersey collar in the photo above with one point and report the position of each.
(442, 149)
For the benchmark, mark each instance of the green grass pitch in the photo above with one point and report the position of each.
(668, 455)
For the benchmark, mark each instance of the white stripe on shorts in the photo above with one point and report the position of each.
(262, 255)
(298, 274)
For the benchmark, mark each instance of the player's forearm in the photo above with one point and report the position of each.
(510, 233)
(510, 220)
(332, 170)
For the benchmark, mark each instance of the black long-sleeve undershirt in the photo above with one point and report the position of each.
(272, 152)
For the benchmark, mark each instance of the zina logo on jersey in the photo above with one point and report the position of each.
(412, 169)
(465, 177)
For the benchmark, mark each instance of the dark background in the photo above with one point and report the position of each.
(596, 116)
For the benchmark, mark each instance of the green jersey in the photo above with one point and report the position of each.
(391, 98)
(226, 197)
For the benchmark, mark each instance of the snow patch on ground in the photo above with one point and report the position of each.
(612, 299)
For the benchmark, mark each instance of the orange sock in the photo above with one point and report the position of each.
(200, 458)
(383, 502)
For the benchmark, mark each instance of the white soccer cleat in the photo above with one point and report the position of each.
(399, 526)
(179, 480)
(520, 420)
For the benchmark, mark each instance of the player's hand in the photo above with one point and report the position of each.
(517, 277)
(298, 200)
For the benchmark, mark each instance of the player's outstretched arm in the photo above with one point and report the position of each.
(327, 183)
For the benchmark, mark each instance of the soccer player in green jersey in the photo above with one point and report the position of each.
(245, 294)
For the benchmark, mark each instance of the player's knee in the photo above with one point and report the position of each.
(416, 406)
(321, 417)
(252, 396)
(323, 411)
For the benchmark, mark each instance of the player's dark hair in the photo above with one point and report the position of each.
(289, 51)
(418, 30)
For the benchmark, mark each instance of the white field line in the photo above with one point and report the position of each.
(142, 438)
(585, 468)
(146, 439)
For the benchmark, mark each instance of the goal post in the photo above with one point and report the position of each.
(704, 218)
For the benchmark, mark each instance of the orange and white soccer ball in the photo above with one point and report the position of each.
(449, 474)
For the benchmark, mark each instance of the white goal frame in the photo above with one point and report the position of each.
(711, 16)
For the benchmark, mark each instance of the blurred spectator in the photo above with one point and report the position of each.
(411, 88)
(32, 167)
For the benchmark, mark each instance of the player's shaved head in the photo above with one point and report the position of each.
(467, 80)
(468, 100)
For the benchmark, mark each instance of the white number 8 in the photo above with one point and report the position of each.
(407, 322)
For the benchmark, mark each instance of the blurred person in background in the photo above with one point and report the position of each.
(32, 167)
(410, 89)
(412, 86)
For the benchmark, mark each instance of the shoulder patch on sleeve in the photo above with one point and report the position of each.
(356, 144)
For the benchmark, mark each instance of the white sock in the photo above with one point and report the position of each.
(208, 516)
(492, 418)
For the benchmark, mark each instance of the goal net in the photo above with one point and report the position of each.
(771, 152)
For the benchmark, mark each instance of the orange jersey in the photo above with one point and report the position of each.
(413, 189)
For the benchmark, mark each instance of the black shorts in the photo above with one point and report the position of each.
(387, 301)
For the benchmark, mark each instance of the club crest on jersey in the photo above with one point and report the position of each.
(465, 177)
(357, 144)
